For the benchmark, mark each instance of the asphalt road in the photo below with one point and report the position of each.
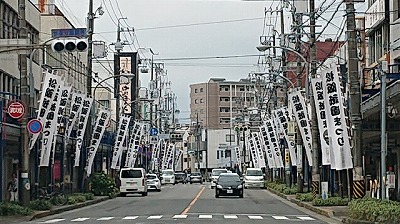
(190, 204)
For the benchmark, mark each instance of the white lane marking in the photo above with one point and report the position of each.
(280, 217)
(53, 221)
(255, 217)
(179, 217)
(79, 219)
(155, 217)
(230, 217)
(306, 218)
(130, 218)
(205, 216)
(105, 218)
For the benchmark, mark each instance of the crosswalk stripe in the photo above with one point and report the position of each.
(205, 216)
(53, 221)
(306, 218)
(79, 219)
(179, 217)
(105, 218)
(255, 217)
(280, 217)
(130, 217)
(230, 216)
(155, 217)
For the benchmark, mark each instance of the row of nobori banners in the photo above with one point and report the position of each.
(58, 101)
(333, 127)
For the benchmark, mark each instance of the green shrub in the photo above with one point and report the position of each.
(102, 184)
(333, 201)
(10, 208)
(374, 210)
(40, 205)
(89, 196)
(282, 188)
(306, 197)
(71, 200)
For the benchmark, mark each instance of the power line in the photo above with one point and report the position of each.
(209, 57)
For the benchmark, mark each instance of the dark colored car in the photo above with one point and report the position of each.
(229, 184)
(180, 178)
(196, 177)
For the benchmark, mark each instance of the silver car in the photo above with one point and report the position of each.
(153, 183)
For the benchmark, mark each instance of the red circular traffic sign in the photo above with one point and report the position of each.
(16, 110)
(34, 126)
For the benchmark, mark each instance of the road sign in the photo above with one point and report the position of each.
(16, 110)
(153, 131)
(163, 136)
(34, 126)
(153, 139)
(79, 32)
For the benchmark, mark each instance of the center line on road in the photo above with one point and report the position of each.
(205, 216)
(130, 217)
(230, 216)
(280, 217)
(193, 201)
(155, 217)
(53, 221)
(80, 219)
(105, 219)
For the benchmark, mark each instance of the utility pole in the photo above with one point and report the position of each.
(24, 185)
(198, 141)
(117, 70)
(355, 96)
(314, 123)
(298, 18)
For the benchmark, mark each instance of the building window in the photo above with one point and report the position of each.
(201, 90)
(224, 109)
(224, 120)
(227, 153)
(195, 90)
(196, 101)
(230, 138)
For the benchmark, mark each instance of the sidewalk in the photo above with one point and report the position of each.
(335, 212)
(54, 210)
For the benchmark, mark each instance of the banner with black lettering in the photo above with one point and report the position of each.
(282, 120)
(103, 118)
(273, 141)
(82, 122)
(267, 147)
(337, 127)
(50, 125)
(49, 89)
(119, 139)
(168, 156)
(134, 144)
(178, 155)
(302, 119)
(75, 110)
(253, 151)
(237, 153)
(320, 109)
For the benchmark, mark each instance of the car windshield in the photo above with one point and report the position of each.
(151, 177)
(229, 179)
(254, 173)
(218, 172)
(168, 172)
(131, 174)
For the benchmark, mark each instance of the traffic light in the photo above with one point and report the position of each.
(176, 137)
(70, 45)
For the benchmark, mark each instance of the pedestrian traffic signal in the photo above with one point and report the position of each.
(70, 45)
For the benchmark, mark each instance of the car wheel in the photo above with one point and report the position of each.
(158, 190)
(241, 196)
(123, 194)
(190, 182)
(212, 187)
(144, 194)
(217, 195)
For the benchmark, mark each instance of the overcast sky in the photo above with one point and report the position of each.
(156, 26)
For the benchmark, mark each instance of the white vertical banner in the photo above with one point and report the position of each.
(168, 156)
(122, 131)
(76, 108)
(64, 99)
(267, 147)
(282, 120)
(337, 127)
(237, 153)
(82, 122)
(134, 144)
(253, 151)
(163, 152)
(50, 126)
(155, 155)
(259, 149)
(102, 120)
(49, 89)
(273, 141)
(320, 108)
(302, 118)
(178, 156)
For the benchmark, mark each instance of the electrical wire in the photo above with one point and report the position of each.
(208, 57)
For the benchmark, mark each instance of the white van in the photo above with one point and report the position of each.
(133, 180)
(168, 176)
(254, 177)
(215, 174)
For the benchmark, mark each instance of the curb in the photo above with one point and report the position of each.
(43, 214)
(355, 221)
(324, 212)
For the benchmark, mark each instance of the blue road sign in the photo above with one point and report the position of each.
(153, 132)
(34, 126)
(79, 32)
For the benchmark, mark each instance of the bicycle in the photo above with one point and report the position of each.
(57, 197)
